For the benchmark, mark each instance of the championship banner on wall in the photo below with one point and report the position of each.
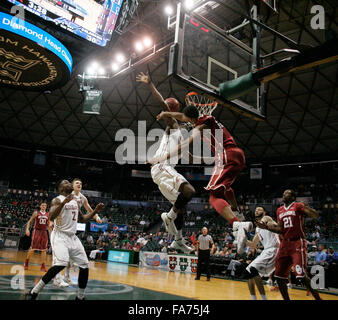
(182, 263)
(156, 260)
(93, 101)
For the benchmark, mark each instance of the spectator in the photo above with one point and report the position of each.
(311, 260)
(90, 239)
(320, 255)
(332, 256)
(165, 247)
(99, 250)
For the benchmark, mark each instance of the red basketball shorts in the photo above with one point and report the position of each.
(226, 171)
(39, 240)
(291, 253)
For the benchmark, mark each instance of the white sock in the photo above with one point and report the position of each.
(80, 293)
(172, 214)
(264, 297)
(38, 287)
(252, 297)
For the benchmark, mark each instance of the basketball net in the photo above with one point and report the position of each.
(204, 105)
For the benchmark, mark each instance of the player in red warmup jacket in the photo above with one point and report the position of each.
(293, 245)
(39, 234)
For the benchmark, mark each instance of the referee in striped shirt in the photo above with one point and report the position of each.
(203, 253)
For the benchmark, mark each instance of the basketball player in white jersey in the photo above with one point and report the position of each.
(172, 185)
(264, 264)
(82, 201)
(65, 213)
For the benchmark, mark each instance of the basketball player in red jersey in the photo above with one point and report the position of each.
(39, 234)
(229, 162)
(293, 245)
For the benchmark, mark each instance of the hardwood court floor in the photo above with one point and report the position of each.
(154, 284)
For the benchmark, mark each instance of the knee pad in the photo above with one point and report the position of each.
(251, 273)
(179, 221)
(83, 277)
(51, 273)
(181, 201)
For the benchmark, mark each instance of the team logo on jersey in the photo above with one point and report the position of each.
(299, 269)
(183, 263)
(193, 265)
(172, 263)
(287, 213)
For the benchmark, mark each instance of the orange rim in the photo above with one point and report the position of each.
(203, 105)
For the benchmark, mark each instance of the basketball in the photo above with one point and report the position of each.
(173, 104)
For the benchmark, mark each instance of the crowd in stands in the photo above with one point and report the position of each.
(146, 233)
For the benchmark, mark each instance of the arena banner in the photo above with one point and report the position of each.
(30, 58)
(98, 227)
(120, 227)
(256, 173)
(118, 256)
(157, 260)
(91, 193)
(182, 263)
(93, 102)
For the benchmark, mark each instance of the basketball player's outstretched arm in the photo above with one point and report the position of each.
(141, 77)
(56, 206)
(88, 216)
(178, 150)
(176, 115)
(32, 218)
(310, 211)
(270, 225)
(254, 243)
(90, 210)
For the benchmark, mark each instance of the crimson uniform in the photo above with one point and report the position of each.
(293, 246)
(229, 159)
(39, 235)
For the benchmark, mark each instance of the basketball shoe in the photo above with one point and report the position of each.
(240, 232)
(59, 282)
(169, 223)
(69, 281)
(180, 245)
(30, 295)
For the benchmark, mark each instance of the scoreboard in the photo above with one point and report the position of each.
(93, 20)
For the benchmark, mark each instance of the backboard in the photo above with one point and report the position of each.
(203, 56)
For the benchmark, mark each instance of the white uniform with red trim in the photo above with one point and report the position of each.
(164, 174)
(265, 263)
(65, 244)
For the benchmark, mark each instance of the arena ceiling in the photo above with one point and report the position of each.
(302, 115)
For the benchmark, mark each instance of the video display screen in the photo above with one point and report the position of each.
(93, 20)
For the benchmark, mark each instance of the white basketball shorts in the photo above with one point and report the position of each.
(265, 262)
(168, 181)
(68, 247)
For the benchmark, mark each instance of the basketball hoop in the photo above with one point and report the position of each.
(204, 105)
